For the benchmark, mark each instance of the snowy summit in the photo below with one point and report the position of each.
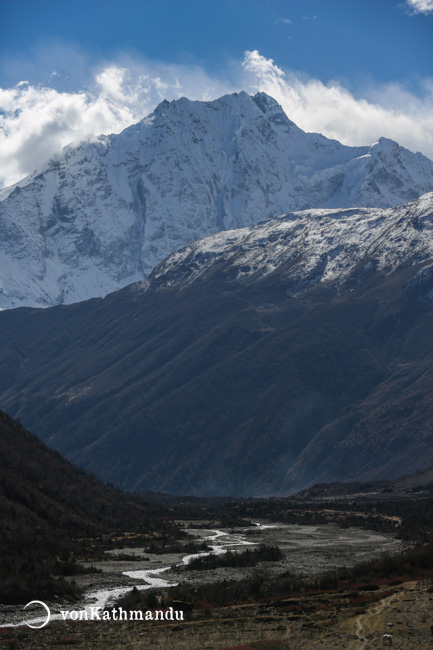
(107, 211)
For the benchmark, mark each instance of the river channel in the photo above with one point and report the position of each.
(307, 550)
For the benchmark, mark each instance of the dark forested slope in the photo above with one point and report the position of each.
(219, 376)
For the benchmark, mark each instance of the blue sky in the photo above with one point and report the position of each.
(352, 69)
(327, 39)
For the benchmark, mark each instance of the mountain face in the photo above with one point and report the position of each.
(253, 362)
(105, 212)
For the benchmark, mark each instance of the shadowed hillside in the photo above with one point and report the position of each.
(45, 503)
(222, 389)
(254, 362)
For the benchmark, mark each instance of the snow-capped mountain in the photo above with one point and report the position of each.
(311, 247)
(254, 361)
(105, 212)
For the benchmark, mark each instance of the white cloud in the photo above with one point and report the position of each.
(37, 121)
(421, 6)
(388, 110)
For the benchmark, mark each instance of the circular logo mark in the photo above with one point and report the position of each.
(47, 609)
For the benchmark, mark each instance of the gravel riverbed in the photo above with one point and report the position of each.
(307, 550)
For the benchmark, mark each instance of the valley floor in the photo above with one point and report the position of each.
(406, 614)
(321, 619)
(307, 550)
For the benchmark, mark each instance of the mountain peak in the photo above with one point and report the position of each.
(233, 101)
(274, 112)
(106, 212)
(266, 103)
(386, 144)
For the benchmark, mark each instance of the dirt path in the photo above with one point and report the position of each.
(372, 624)
(368, 623)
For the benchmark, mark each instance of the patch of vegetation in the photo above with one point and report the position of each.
(234, 559)
(127, 557)
(163, 545)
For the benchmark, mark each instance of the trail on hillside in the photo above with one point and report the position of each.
(368, 623)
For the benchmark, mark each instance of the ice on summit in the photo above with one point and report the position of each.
(107, 211)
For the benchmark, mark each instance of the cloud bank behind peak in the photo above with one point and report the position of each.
(36, 121)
